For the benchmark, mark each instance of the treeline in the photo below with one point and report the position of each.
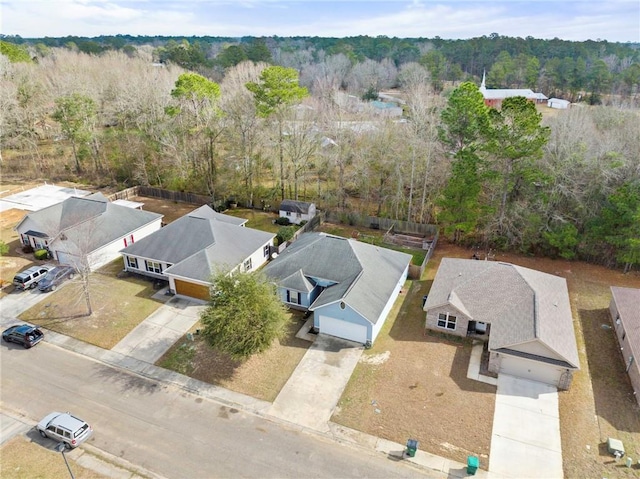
(565, 185)
(577, 71)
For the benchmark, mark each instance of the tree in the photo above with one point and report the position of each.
(76, 114)
(244, 315)
(515, 141)
(465, 118)
(618, 225)
(277, 90)
(15, 53)
(197, 106)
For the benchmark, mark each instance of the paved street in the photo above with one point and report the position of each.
(171, 432)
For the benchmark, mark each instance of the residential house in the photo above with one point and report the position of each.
(625, 312)
(190, 250)
(349, 286)
(494, 97)
(86, 231)
(297, 211)
(524, 315)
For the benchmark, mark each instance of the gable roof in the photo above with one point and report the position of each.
(92, 221)
(520, 303)
(362, 275)
(627, 302)
(295, 206)
(199, 242)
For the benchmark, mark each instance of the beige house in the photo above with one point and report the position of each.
(625, 312)
(523, 314)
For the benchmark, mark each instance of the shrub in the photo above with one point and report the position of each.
(27, 248)
(283, 221)
(285, 233)
(41, 254)
(4, 248)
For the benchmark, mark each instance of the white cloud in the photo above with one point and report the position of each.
(614, 20)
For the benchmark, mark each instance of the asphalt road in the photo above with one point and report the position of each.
(171, 432)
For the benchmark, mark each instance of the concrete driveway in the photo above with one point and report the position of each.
(525, 441)
(155, 335)
(312, 392)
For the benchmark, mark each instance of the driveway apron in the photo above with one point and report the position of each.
(155, 335)
(312, 392)
(525, 441)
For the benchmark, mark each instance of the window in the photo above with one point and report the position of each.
(266, 250)
(288, 213)
(446, 321)
(293, 297)
(154, 267)
(132, 262)
(247, 265)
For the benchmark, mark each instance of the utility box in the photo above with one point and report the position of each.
(473, 463)
(412, 447)
(615, 447)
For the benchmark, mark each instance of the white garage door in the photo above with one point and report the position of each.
(66, 258)
(532, 370)
(343, 329)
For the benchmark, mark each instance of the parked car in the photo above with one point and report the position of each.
(66, 428)
(30, 277)
(24, 334)
(55, 277)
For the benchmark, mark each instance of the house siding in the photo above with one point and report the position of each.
(111, 251)
(537, 348)
(462, 321)
(257, 257)
(305, 298)
(630, 363)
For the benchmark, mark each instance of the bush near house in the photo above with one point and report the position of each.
(41, 254)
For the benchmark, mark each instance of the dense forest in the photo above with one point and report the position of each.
(254, 120)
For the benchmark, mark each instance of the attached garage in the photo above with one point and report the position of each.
(193, 290)
(530, 369)
(66, 258)
(343, 329)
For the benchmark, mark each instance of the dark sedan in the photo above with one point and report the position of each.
(23, 334)
(55, 277)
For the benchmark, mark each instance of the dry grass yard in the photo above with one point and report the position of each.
(261, 376)
(23, 459)
(119, 305)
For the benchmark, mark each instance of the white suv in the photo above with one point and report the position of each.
(64, 427)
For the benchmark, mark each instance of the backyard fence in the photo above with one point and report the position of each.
(151, 192)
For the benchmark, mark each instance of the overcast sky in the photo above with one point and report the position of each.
(613, 20)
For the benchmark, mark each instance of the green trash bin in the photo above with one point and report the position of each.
(412, 447)
(472, 465)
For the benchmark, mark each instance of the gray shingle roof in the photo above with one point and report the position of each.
(628, 303)
(91, 221)
(200, 242)
(362, 275)
(295, 206)
(520, 303)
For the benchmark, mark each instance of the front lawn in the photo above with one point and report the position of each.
(413, 385)
(118, 304)
(261, 376)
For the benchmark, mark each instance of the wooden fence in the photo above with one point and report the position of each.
(151, 192)
(396, 226)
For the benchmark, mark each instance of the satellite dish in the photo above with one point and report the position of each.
(274, 255)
